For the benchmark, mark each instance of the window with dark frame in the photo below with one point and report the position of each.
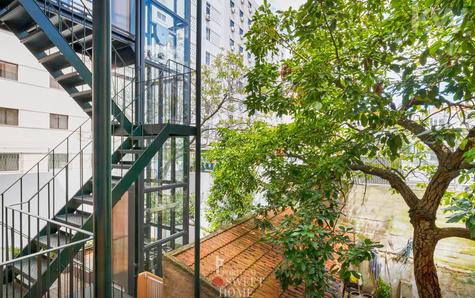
(208, 34)
(58, 121)
(9, 116)
(9, 161)
(208, 9)
(9, 71)
(208, 58)
(57, 161)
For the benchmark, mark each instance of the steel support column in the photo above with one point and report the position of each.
(199, 32)
(101, 94)
(139, 119)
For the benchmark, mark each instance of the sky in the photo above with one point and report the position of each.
(284, 4)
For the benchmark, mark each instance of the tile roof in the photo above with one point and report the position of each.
(239, 263)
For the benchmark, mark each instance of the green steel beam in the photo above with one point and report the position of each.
(199, 20)
(101, 119)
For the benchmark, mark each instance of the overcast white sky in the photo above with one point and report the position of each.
(284, 4)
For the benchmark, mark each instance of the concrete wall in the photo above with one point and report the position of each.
(383, 216)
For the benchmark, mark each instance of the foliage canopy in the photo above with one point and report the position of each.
(372, 87)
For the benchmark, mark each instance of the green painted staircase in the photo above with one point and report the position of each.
(61, 40)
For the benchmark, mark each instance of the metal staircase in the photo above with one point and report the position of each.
(44, 237)
(59, 34)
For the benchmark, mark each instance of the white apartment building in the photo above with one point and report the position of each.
(225, 22)
(35, 113)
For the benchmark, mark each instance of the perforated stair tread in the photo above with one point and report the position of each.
(12, 289)
(56, 239)
(76, 219)
(29, 268)
(70, 79)
(54, 62)
(86, 199)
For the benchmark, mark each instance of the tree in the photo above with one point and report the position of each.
(363, 84)
(223, 95)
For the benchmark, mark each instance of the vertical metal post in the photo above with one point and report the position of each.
(137, 219)
(101, 94)
(199, 11)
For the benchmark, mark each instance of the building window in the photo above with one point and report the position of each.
(241, 13)
(208, 9)
(249, 22)
(58, 121)
(9, 116)
(241, 49)
(208, 34)
(53, 83)
(250, 4)
(241, 32)
(231, 24)
(57, 160)
(249, 56)
(231, 43)
(231, 3)
(9, 162)
(208, 58)
(8, 70)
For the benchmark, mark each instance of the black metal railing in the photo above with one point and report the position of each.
(25, 214)
(73, 19)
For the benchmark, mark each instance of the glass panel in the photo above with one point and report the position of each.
(122, 14)
(58, 121)
(9, 162)
(8, 71)
(12, 117)
(8, 116)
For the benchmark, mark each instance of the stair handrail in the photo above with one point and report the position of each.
(89, 13)
(51, 179)
(74, 7)
(46, 251)
(72, 158)
(57, 223)
(45, 156)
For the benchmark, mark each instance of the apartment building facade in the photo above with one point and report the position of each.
(225, 23)
(35, 112)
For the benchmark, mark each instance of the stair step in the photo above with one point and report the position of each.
(13, 289)
(14, 13)
(57, 239)
(85, 43)
(149, 187)
(138, 138)
(88, 111)
(131, 151)
(121, 166)
(76, 33)
(69, 80)
(29, 268)
(75, 219)
(86, 200)
(54, 62)
(82, 96)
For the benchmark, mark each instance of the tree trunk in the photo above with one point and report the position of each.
(425, 272)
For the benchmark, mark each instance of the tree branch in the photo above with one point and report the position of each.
(419, 131)
(394, 180)
(453, 232)
(457, 158)
(220, 105)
